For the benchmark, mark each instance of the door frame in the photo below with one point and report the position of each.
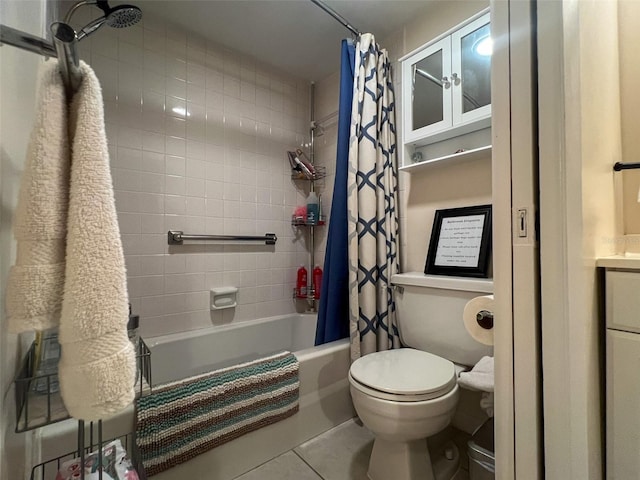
(518, 389)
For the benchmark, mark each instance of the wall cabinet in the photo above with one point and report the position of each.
(622, 378)
(447, 85)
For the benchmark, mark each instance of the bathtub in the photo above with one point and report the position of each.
(325, 401)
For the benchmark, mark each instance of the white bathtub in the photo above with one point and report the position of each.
(324, 390)
(182, 355)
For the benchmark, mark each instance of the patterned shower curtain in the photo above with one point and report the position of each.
(372, 203)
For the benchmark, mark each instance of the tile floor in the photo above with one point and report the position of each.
(341, 453)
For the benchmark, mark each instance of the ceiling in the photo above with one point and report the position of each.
(293, 35)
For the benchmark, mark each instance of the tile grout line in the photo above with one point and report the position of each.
(307, 464)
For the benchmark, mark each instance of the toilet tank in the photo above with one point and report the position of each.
(429, 314)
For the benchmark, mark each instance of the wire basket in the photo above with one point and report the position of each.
(303, 222)
(38, 400)
(49, 469)
(320, 173)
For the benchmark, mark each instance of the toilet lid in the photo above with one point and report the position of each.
(405, 371)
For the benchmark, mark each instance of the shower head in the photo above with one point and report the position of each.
(121, 16)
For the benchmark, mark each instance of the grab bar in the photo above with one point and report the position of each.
(176, 237)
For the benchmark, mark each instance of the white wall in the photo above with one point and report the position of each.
(18, 77)
(221, 169)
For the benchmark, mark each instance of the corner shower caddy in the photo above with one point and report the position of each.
(318, 177)
(36, 409)
(320, 173)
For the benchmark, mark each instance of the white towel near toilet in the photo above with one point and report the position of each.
(486, 403)
(481, 378)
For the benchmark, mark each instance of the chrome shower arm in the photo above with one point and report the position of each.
(72, 10)
(91, 27)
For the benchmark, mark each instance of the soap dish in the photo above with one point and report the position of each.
(223, 297)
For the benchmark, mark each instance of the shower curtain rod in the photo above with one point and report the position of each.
(337, 16)
(64, 48)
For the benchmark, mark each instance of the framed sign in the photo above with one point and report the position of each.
(460, 242)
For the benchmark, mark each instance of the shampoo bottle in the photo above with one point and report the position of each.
(313, 214)
(301, 282)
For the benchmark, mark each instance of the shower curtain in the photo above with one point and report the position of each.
(372, 203)
(333, 310)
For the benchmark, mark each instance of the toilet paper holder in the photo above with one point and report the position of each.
(485, 319)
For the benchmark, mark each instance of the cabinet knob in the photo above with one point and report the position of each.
(456, 79)
(445, 82)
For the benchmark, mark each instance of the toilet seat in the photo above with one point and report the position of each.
(403, 375)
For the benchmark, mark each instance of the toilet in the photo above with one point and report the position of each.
(405, 395)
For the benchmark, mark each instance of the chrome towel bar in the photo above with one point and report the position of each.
(176, 237)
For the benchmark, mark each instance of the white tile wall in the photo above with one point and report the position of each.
(198, 137)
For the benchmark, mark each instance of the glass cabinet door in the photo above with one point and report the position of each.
(471, 71)
(446, 85)
(427, 82)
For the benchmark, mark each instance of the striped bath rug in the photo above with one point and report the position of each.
(183, 419)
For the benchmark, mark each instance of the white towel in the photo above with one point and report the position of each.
(36, 280)
(486, 403)
(480, 377)
(97, 366)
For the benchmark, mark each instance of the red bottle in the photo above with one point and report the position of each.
(317, 281)
(301, 283)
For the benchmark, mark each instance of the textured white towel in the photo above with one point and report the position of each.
(35, 282)
(97, 366)
(480, 377)
(486, 403)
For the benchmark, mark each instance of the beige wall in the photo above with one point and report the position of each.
(629, 36)
(442, 17)
(443, 186)
(579, 142)
(439, 187)
(18, 74)
(599, 149)
(421, 193)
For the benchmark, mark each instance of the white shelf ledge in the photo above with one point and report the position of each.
(467, 155)
(445, 282)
